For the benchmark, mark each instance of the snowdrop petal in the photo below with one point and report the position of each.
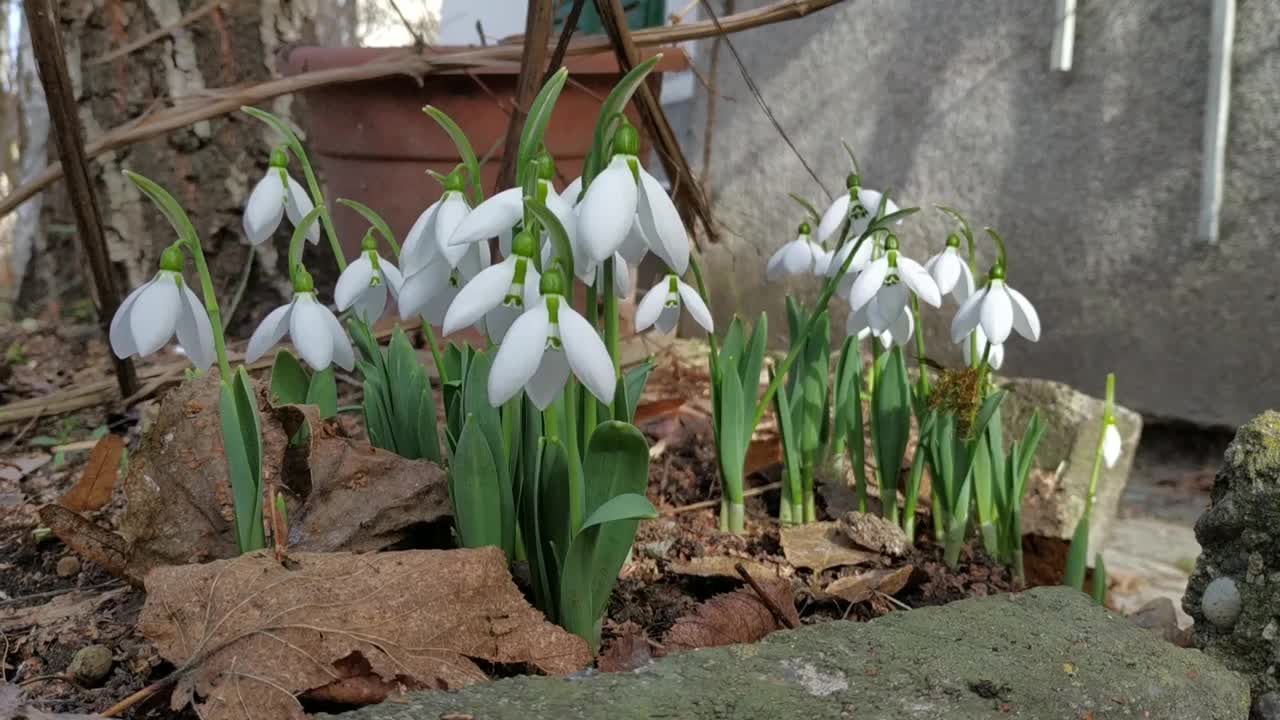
(968, 316)
(370, 306)
(353, 282)
(668, 320)
(1111, 445)
(1025, 319)
(344, 355)
(997, 313)
(635, 246)
(650, 306)
(391, 275)
(868, 283)
(420, 244)
(484, 293)
(944, 268)
(608, 210)
(587, 355)
(155, 314)
(439, 304)
(195, 332)
(420, 287)
(268, 333)
(662, 224)
(798, 257)
(821, 259)
(918, 279)
(572, 192)
(833, 217)
(493, 216)
(548, 381)
(996, 357)
(453, 210)
(265, 208)
(891, 302)
(902, 328)
(621, 277)
(697, 308)
(298, 205)
(311, 332)
(498, 321)
(121, 334)
(567, 217)
(519, 357)
(858, 323)
(964, 288)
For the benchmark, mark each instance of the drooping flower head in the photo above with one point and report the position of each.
(497, 216)
(276, 195)
(434, 272)
(160, 309)
(950, 271)
(1111, 444)
(998, 309)
(801, 256)
(547, 342)
(660, 307)
(624, 201)
(858, 205)
(314, 329)
(890, 280)
(499, 294)
(365, 282)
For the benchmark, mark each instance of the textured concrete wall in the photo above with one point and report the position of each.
(1093, 177)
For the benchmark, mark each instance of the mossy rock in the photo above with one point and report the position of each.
(1047, 653)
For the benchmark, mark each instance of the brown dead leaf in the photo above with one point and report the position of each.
(630, 649)
(75, 604)
(763, 454)
(13, 705)
(822, 545)
(721, 566)
(860, 587)
(733, 618)
(255, 634)
(654, 409)
(13, 469)
(99, 476)
(341, 495)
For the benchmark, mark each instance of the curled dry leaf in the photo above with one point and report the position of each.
(13, 705)
(93, 491)
(737, 617)
(721, 566)
(631, 648)
(822, 545)
(249, 635)
(340, 494)
(861, 586)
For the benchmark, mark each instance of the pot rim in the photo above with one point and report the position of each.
(312, 58)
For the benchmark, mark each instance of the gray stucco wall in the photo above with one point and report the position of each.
(1093, 177)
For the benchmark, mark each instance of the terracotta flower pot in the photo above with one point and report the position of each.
(374, 144)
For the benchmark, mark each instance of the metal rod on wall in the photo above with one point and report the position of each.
(1064, 36)
(1217, 111)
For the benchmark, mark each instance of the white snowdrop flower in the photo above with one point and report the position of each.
(160, 309)
(276, 195)
(572, 192)
(801, 256)
(868, 320)
(1111, 445)
(998, 309)
(316, 333)
(660, 307)
(365, 282)
(499, 294)
(858, 205)
(468, 259)
(624, 195)
(434, 271)
(546, 343)
(498, 215)
(419, 245)
(995, 357)
(861, 258)
(430, 291)
(950, 271)
(891, 280)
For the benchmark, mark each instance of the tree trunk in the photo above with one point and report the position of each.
(209, 167)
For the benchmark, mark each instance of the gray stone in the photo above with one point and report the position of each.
(1221, 605)
(1092, 176)
(68, 566)
(1056, 494)
(1240, 539)
(872, 532)
(1047, 653)
(90, 665)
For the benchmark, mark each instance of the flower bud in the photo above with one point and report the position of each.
(552, 282)
(546, 166)
(953, 240)
(369, 243)
(523, 244)
(171, 259)
(626, 141)
(302, 282)
(853, 181)
(804, 228)
(279, 158)
(453, 181)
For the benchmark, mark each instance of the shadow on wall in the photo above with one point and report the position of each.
(1092, 176)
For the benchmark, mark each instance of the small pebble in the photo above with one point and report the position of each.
(91, 665)
(1221, 603)
(69, 566)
